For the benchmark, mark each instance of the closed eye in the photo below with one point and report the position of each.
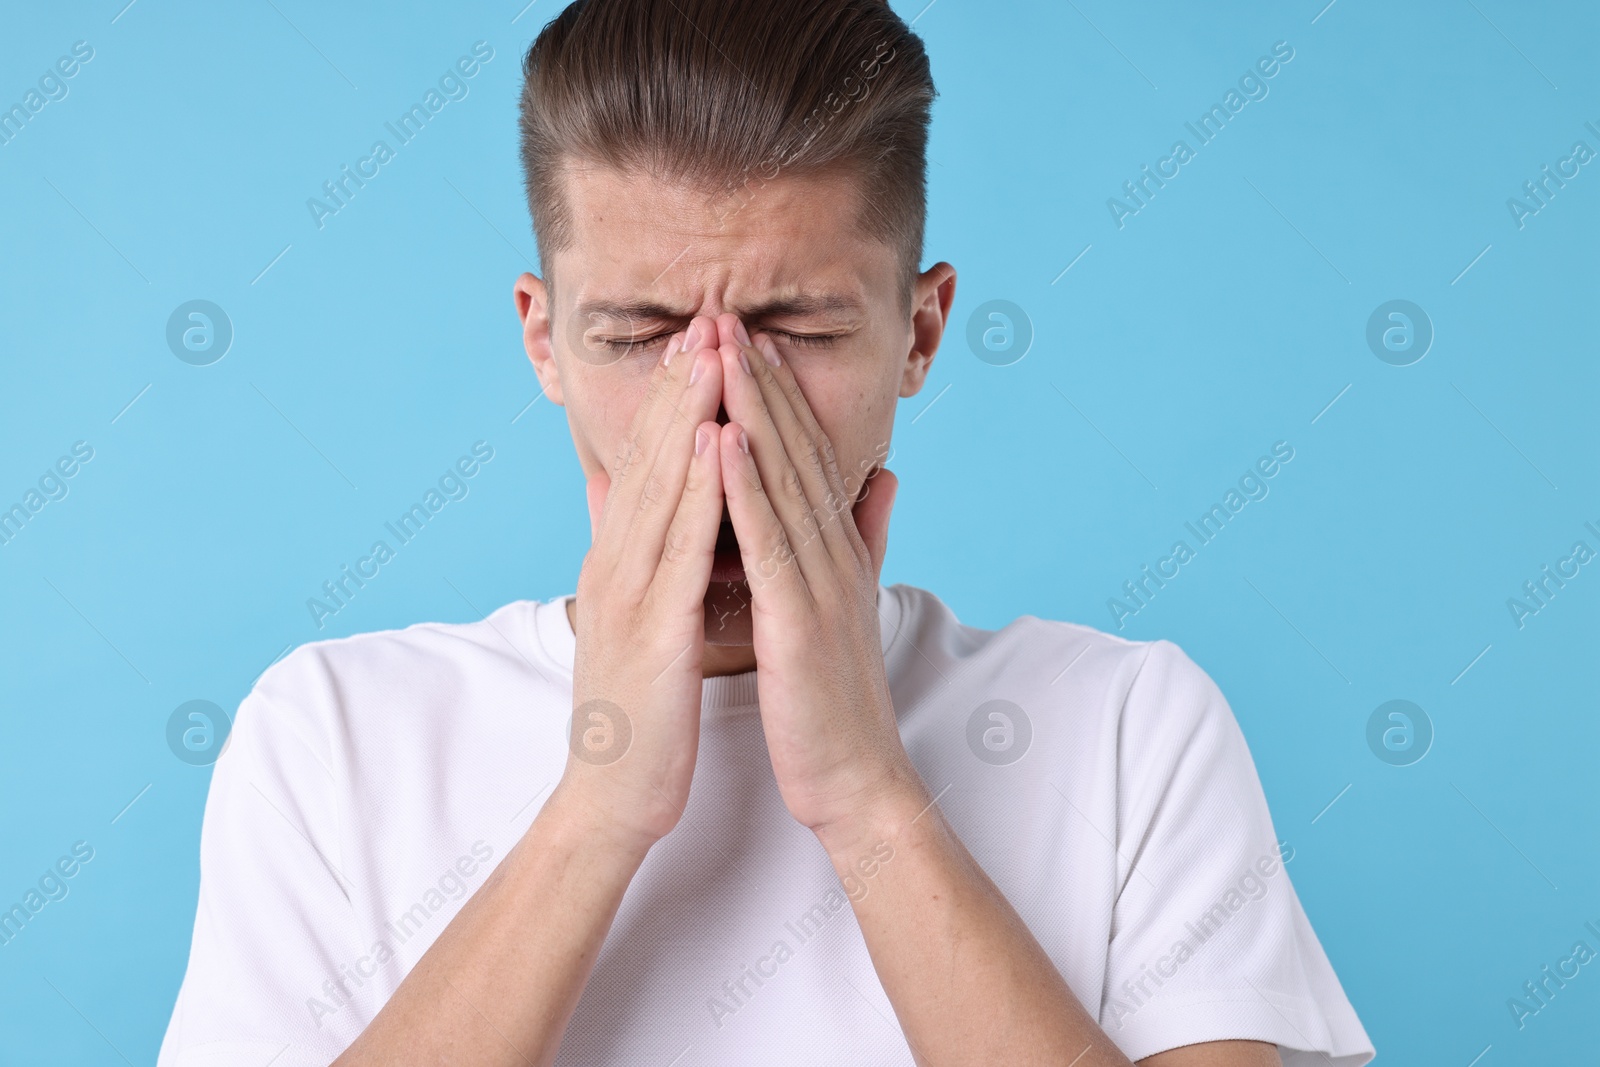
(800, 339)
(807, 340)
(631, 346)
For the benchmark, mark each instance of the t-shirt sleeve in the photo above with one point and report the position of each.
(1208, 938)
(274, 920)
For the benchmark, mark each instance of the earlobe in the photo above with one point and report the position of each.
(934, 295)
(531, 298)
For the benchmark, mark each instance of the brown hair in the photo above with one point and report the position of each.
(729, 94)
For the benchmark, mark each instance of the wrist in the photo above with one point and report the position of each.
(585, 823)
(878, 815)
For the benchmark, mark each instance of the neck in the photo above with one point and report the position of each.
(717, 661)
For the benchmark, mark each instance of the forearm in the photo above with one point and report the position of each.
(502, 980)
(967, 980)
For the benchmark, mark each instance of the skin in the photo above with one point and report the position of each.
(662, 459)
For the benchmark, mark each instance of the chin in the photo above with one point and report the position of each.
(728, 613)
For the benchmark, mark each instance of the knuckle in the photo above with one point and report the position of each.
(790, 483)
(812, 454)
(626, 456)
(777, 548)
(652, 492)
(655, 386)
(676, 549)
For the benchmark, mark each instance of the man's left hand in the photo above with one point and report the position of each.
(812, 542)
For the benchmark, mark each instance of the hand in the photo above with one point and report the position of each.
(640, 608)
(812, 547)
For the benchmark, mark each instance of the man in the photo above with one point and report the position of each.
(736, 801)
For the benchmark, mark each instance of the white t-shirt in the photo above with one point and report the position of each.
(371, 783)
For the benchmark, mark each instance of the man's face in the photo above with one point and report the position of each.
(786, 257)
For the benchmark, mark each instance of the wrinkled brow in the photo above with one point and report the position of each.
(784, 307)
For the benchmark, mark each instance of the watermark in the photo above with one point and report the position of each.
(860, 873)
(52, 886)
(851, 90)
(581, 332)
(1539, 992)
(339, 191)
(1250, 886)
(199, 332)
(1538, 592)
(999, 332)
(1252, 86)
(198, 732)
(338, 592)
(1252, 485)
(51, 88)
(738, 194)
(1399, 733)
(451, 885)
(1540, 191)
(737, 992)
(999, 732)
(1399, 332)
(599, 732)
(51, 486)
(833, 506)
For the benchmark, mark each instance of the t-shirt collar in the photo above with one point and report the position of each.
(728, 692)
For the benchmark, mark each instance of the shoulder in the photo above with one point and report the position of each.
(323, 690)
(1134, 708)
(1067, 657)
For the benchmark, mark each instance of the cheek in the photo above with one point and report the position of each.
(599, 412)
(856, 413)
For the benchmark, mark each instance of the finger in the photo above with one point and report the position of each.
(689, 545)
(784, 395)
(769, 561)
(871, 515)
(661, 491)
(793, 454)
(630, 454)
(810, 450)
(646, 488)
(778, 480)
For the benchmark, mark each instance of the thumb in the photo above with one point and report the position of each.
(871, 513)
(597, 488)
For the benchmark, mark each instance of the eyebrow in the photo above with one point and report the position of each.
(785, 307)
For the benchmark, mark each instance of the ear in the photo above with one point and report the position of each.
(532, 299)
(931, 297)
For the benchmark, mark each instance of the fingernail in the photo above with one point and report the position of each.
(769, 350)
(744, 443)
(691, 336)
(674, 346)
(740, 332)
(699, 435)
(745, 363)
(696, 371)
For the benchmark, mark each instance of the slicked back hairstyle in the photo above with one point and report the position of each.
(729, 95)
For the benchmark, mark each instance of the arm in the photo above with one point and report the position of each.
(967, 980)
(502, 980)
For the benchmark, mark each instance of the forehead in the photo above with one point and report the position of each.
(636, 236)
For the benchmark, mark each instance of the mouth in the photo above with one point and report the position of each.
(726, 563)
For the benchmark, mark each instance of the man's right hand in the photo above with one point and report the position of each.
(521, 949)
(640, 608)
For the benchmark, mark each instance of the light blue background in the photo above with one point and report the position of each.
(1222, 318)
